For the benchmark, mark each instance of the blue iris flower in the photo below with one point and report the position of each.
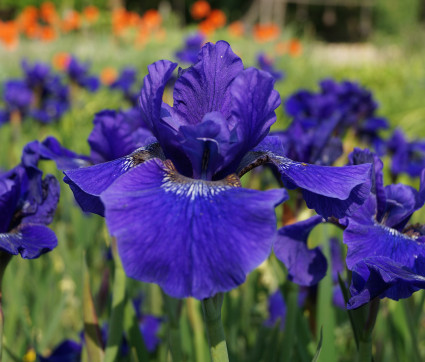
(192, 44)
(321, 119)
(27, 206)
(78, 72)
(407, 157)
(267, 64)
(176, 205)
(385, 254)
(17, 97)
(125, 83)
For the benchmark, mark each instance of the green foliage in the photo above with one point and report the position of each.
(44, 298)
(394, 16)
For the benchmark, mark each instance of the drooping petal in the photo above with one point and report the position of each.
(89, 182)
(305, 266)
(51, 149)
(29, 240)
(331, 191)
(205, 87)
(366, 238)
(385, 278)
(191, 237)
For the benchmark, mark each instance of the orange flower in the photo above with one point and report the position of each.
(71, 21)
(108, 75)
(119, 21)
(206, 27)
(152, 19)
(32, 31)
(47, 33)
(236, 29)
(132, 18)
(142, 37)
(48, 13)
(200, 9)
(294, 47)
(217, 18)
(281, 48)
(266, 32)
(9, 34)
(91, 13)
(27, 22)
(61, 60)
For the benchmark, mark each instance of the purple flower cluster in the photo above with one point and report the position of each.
(169, 185)
(320, 120)
(192, 45)
(125, 83)
(79, 73)
(27, 205)
(267, 64)
(40, 95)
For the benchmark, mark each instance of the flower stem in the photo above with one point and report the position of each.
(173, 309)
(212, 316)
(4, 261)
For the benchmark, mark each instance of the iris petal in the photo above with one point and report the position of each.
(205, 87)
(385, 278)
(88, 183)
(191, 237)
(365, 238)
(331, 191)
(29, 240)
(305, 266)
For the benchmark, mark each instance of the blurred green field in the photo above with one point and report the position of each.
(43, 297)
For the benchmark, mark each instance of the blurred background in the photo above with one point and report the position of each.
(379, 44)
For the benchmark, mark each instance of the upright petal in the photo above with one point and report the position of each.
(191, 237)
(253, 106)
(305, 266)
(153, 88)
(205, 87)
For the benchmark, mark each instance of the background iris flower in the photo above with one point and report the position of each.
(176, 207)
(27, 205)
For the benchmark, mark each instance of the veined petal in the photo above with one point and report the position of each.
(205, 87)
(254, 103)
(89, 182)
(191, 237)
(366, 238)
(331, 191)
(29, 240)
(46, 209)
(305, 266)
(9, 196)
(153, 88)
(385, 278)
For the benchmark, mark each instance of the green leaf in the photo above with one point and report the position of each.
(115, 332)
(319, 347)
(92, 335)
